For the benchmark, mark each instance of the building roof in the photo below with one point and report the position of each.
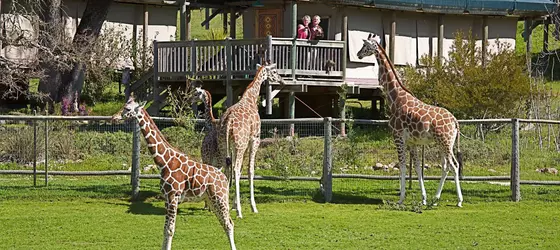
(475, 7)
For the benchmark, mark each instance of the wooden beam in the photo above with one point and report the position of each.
(232, 22)
(484, 39)
(393, 36)
(206, 21)
(135, 37)
(294, 36)
(440, 38)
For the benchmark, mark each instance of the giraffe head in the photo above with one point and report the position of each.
(270, 73)
(131, 109)
(197, 95)
(370, 46)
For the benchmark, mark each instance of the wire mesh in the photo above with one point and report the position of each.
(366, 150)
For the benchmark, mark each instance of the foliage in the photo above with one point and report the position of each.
(469, 89)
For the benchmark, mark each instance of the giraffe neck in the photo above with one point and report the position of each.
(208, 115)
(397, 94)
(157, 144)
(251, 94)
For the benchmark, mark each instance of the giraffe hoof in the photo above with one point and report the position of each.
(460, 204)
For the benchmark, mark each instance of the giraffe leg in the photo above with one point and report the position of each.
(169, 228)
(414, 155)
(444, 172)
(455, 167)
(401, 150)
(220, 207)
(251, 171)
(237, 169)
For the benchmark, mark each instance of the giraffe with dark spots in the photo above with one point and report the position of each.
(240, 128)
(415, 123)
(182, 179)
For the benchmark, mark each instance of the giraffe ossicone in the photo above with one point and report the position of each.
(182, 179)
(413, 122)
(240, 128)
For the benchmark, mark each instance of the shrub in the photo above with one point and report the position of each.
(469, 89)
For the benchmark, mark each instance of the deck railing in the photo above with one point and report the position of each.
(234, 59)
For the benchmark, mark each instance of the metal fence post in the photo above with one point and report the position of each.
(135, 174)
(326, 180)
(34, 150)
(515, 180)
(46, 151)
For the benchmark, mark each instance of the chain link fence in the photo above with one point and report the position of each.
(311, 150)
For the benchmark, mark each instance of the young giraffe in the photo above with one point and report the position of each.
(240, 127)
(182, 179)
(414, 122)
(209, 149)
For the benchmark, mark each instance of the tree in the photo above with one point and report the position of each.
(86, 35)
(469, 89)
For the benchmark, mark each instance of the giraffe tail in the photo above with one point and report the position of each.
(459, 153)
(228, 167)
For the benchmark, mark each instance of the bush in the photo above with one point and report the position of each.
(469, 89)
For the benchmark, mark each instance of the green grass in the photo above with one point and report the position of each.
(94, 213)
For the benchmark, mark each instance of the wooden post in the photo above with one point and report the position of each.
(145, 36)
(440, 39)
(484, 39)
(206, 15)
(545, 34)
(342, 107)
(232, 22)
(183, 21)
(294, 36)
(268, 98)
(135, 174)
(393, 36)
(188, 29)
(135, 38)
(515, 180)
(326, 180)
(224, 21)
(344, 37)
(229, 88)
(155, 80)
(528, 42)
(292, 110)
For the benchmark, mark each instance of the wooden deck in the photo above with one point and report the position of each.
(237, 59)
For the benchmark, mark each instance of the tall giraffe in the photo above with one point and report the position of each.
(414, 123)
(182, 179)
(240, 127)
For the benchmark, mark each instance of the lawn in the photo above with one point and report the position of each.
(94, 213)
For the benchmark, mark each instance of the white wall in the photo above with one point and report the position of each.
(121, 17)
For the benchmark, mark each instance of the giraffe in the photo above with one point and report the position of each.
(182, 179)
(240, 128)
(414, 123)
(209, 149)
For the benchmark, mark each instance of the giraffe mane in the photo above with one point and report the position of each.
(209, 101)
(382, 50)
(254, 80)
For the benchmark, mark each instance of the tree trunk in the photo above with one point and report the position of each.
(87, 32)
(48, 85)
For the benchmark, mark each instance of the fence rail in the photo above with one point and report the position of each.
(324, 124)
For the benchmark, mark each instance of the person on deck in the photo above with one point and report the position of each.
(303, 31)
(317, 32)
